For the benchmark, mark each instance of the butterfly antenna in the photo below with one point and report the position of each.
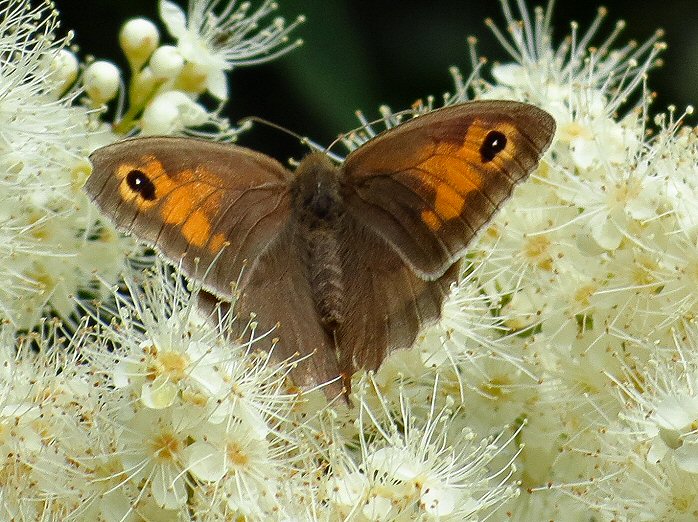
(303, 139)
(366, 132)
(247, 122)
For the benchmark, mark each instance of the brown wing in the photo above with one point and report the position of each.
(388, 303)
(278, 292)
(429, 185)
(193, 198)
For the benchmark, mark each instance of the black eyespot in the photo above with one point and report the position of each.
(494, 143)
(140, 183)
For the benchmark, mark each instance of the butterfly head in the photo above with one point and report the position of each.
(315, 188)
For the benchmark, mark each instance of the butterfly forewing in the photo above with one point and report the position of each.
(195, 201)
(429, 185)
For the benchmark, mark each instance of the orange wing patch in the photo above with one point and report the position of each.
(185, 198)
(182, 200)
(450, 172)
(217, 242)
(431, 220)
(178, 205)
(192, 202)
(197, 229)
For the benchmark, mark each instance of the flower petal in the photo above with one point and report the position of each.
(217, 84)
(206, 461)
(174, 18)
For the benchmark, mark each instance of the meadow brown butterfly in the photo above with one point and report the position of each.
(351, 260)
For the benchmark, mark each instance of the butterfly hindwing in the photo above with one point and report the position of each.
(278, 293)
(429, 185)
(388, 304)
(194, 200)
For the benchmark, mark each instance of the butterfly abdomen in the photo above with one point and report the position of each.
(325, 276)
(319, 210)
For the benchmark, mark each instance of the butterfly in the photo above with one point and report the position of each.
(351, 260)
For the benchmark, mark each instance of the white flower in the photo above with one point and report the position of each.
(172, 112)
(213, 43)
(47, 407)
(416, 469)
(243, 462)
(583, 251)
(151, 448)
(64, 67)
(51, 240)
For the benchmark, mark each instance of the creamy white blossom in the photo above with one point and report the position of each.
(561, 382)
(165, 402)
(414, 466)
(215, 39)
(51, 240)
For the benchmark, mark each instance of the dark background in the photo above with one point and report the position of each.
(359, 55)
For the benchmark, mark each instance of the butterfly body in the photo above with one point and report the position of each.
(350, 260)
(319, 210)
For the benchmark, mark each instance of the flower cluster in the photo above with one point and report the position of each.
(188, 404)
(595, 255)
(561, 380)
(166, 80)
(414, 465)
(589, 269)
(154, 404)
(51, 243)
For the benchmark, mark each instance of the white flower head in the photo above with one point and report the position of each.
(214, 42)
(52, 242)
(166, 62)
(189, 404)
(647, 461)
(573, 77)
(47, 409)
(424, 468)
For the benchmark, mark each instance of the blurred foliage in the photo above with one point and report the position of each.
(359, 56)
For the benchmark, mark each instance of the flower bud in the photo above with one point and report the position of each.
(166, 62)
(64, 69)
(101, 81)
(138, 39)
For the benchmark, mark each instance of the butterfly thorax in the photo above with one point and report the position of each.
(319, 210)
